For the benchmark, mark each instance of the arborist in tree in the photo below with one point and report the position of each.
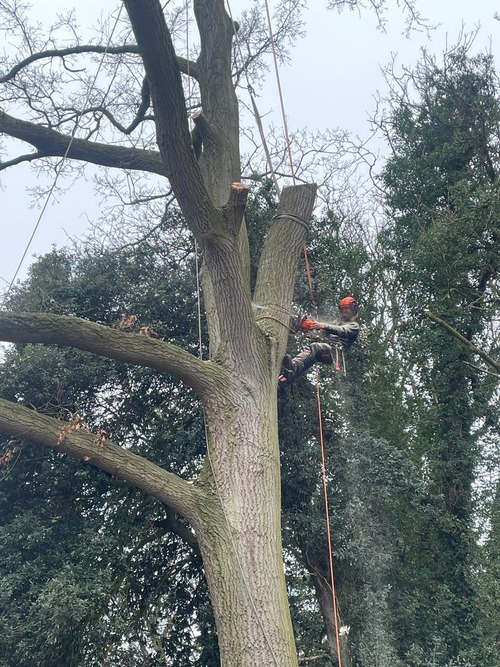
(335, 338)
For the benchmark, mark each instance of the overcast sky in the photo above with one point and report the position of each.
(332, 80)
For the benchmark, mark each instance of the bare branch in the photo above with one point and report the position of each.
(185, 66)
(413, 19)
(61, 53)
(50, 143)
(28, 157)
(482, 370)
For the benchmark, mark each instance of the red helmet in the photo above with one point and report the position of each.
(349, 302)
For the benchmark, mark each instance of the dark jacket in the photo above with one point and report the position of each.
(343, 333)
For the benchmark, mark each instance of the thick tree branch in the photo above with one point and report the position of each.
(172, 131)
(205, 377)
(21, 422)
(50, 143)
(221, 163)
(186, 66)
(485, 357)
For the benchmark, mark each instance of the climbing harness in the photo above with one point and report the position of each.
(339, 352)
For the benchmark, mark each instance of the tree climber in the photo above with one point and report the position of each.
(335, 337)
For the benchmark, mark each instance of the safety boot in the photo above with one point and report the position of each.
(292, 368)
(287, 370)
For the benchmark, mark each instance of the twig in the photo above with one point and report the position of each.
(483, 370)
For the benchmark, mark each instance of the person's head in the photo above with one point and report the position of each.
(348, 308)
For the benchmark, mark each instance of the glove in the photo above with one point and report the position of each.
(308, 324)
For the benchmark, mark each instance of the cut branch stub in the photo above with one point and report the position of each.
(235, 207)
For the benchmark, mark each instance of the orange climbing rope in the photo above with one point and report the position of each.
(327, 513)
(325, 483)
(311, 289)
(318, 394)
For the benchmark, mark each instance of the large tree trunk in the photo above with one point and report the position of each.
(241, 540)
(240, 532)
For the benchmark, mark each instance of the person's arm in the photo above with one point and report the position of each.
(308, 324)
(349, 330)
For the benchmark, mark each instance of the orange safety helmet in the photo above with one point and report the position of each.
(349, 302)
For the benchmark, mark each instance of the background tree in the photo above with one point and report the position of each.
(442, 195)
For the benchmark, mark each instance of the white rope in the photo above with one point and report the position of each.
(61, 163)
(257, 116)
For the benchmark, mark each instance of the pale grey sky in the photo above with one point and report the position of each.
(331, 82)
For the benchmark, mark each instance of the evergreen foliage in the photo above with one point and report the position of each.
(110, 575)
(443, 250)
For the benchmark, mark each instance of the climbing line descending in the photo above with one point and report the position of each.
(255, 110)
(328, 530)
(59, 167)
(324, 479)
(287, 139)
(323, 473)
(198, 300)
(280, 92)
(311, 289)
